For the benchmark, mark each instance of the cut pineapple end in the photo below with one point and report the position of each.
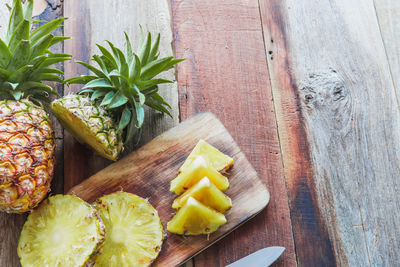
(193, 174)
(195, 218)
(206, 193)
(212, 156)
(79, 130)
(134, 231)
(62, 231)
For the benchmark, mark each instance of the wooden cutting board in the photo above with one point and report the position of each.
(147, 172)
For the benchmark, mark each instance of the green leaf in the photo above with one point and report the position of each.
(5, 54)
(93, 69)
(16, 18)
(98, 93)
(150, 83)
(118, 100)
(155, 67)
(134, 70)
(101, 63)
(98, 83)
(30, 86)
(17, 94)
(128, 49)
(173, 62)
(52, 55)
(124, 68)
(20, 56)
(27, 9)
(141, 96)
(132, 129)
(50, 70)
(144, 50)
(107, 98)
(157, 106)
(41, 46)
(20, 74)
(4, 74)
(50, 77)
(116, 54)
(45, 29)
(108, 55)
(160, 99)
(58, 39)
(50, 61)
(154, 49)
(81, 79)
(86, 91)
(139, 114)
(150, 90)
(20, 34)
(125, 118)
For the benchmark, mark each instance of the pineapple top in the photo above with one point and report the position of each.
(25, 58)
(124, 82)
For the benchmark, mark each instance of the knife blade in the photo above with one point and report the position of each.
(261, 258)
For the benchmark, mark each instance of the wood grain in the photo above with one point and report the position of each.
(11, 224)
(226, 72)
(94, 22)
(338, 121)
(151, 168)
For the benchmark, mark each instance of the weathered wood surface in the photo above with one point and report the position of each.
(92, 22)
(10, 225)
(338, 120)
(226, 72)
(151, 168)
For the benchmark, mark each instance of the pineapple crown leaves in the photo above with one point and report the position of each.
(25, 58)
(125, 82)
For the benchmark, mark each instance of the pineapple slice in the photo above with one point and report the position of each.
(208, 194)
(195, 218)
(62, 231)
(193, 174)
(134, 231)
(213, 157)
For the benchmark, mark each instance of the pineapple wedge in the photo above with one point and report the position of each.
(212, 156)
(194, 173)
(134, 231)
(195, 218)
(206, 193)
(62, 231)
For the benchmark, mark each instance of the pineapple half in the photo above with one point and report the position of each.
(134, 231)
(115, 93)
(63, 231)
(194, 218)
(206, 193)
(192, 174)
(26, 136)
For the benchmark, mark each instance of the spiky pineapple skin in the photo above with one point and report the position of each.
(95, 118)
(26, 155)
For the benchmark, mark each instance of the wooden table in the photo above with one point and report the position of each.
(310, 91)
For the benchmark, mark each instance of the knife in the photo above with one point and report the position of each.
(261, 258)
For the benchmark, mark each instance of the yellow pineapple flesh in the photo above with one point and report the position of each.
(26, 155)
(194, 218)
(206, 193)
(212, 156)
(194, 173)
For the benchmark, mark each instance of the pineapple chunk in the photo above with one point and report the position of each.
(62, 231)
(134, 231)
(213, 157)
(208, 194)
(195, 218)
(195, 173)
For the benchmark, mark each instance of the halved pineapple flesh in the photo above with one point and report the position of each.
(206, 193)
(194, 173)
(212, 156)
(134, 231)
(62, 231)
(195, 218)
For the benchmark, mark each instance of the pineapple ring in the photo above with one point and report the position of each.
(63, 231)
(134, 231)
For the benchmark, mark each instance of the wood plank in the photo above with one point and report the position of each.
(158, 162)
(338, 121)
(226, 72)
(10, 225)
(93, 22)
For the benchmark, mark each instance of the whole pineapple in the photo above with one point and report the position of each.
(26, 135)
(110, 108)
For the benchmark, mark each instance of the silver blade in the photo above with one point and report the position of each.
(261, 258)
